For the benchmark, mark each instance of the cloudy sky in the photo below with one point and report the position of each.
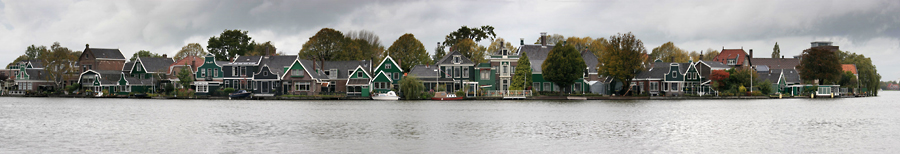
(870, 27)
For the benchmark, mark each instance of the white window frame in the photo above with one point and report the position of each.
(485, 74)
(396, 76)
(387, 66)
(215, 72)
(448, 72)
(202, 87)
(465, 72)
(654, 86)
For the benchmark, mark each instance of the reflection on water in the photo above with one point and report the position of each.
(57, 125)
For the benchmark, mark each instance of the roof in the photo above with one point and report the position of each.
(849, 67)
(715, 64)
(448, 60)
(107, 77)
(310, 70)
(776, 63)
(731, 54)
(590, 60)
(106, 53)
(127, 67)
(762, 68)
(658, 71)
(36, 74)
(344, 66)
(277, 64)
(246, 60)
(424, 71)
(194, 61)
(790, 75)
(358, 81)
(156, 64)
(220, 63)
(536, 55)
(137, 81)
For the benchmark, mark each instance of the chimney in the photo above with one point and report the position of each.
(751, 53)
(439, 44)
(521, 41)
(782, 56)
(543, 38)
(701, 56)
(87, 46)
(165, 56)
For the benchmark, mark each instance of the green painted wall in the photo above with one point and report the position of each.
(393, 69)
(209, 65)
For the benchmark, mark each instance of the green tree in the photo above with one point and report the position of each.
(765, 87)
(522, 77)
(439, 52)
(819, 64)
(495, 46)
(323, 46)
(474, 34)
(471, 50)
(741, 77)
(185, 78)
(229, 44)
(33, 52)
(191, 49)
(622, 58)
(412, 88)
(710, 54)
(848, 80)
(57, 63)
(365, 46)
(563, 66)
(143, 53)
(409, 52)
(776, 51)
(261, 49)
(597, 46)
(668, 52)
(868, 73)
(551, 38)
(580, 43)
(18, 59)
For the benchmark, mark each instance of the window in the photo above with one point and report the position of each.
(547, 87)
(731, 62)
(505, 85)
(387, 66)
(349, 72)
(359, 75)
(252, 85)
(640, 86)
(485, 74)
(295, 72)
(665, 86)
(456, 59)
(202, 87)
(674, 73)
(448, 72)
(243, 71)
(215, 72)
(465, 72)
(127, 88)
(227, 83)
(396, 75)
(555, 87)
(234, 71)
(138, 67)
(674, 86)
(301, 86)
(202, 72)
(654, 86)
(456, 72)
(535, 85)
(503, 71)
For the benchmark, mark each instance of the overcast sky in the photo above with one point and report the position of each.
(868, 27)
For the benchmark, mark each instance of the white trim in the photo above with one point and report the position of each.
(95, 72)
(382, 74)
(392, 61)
(297, 60)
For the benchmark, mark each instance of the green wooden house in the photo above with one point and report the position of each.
(391, 69)
(209, 76)
(382, 83)
(359, 82)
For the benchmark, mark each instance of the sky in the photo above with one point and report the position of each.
(869, 27)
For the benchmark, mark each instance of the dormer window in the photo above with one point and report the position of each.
(457, 59)
(387, 66)
(504, 52)
(265, 73)
(731, 62)
(674, 73)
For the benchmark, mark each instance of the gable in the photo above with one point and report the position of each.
(298, 66)
(359, 71)
(381, 77)
(265, 73)
(388, 60)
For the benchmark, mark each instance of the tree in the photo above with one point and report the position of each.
(695, 56)
(412, 87)
(522, 78)
(868, 73)
(471, 50)
(848, 80)
(668, 52)
(143, 53)
(262, 49)
(185, 77)
(368, 44)
(495, 46)
(551, 38)
(710, 54)
(18, 59)
(33, 52)
(718, 78)
(474, 34)
(563, 66)
(819, 64)
(439, 52)
(57, 63)
(742, 77)
(597, 46)
(776, 51)
(323, 45)
(229, 44)
(622, 58)
(191, 49)
(580, 43)
(409, 52)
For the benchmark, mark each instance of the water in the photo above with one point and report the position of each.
(65, 125)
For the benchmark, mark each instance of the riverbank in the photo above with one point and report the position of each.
(475, 98)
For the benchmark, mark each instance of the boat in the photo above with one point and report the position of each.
(390, 95)
(239, 94)
(442, 96)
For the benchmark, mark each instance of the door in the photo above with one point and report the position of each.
(264, 87)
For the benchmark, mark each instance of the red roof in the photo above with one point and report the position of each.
(731, 54)
(849, 67)
(198, 61)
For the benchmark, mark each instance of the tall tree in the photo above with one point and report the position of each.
(868, 73)
(470, 49)
(323, 45)
(668, 52)
(580, 43)
(409, 52)
(848, 80)
(439, 52)
(597, 46)
(553, 38)
(474, 34)
(718, 78)
(57, 62)
(18, 59)
(229, 44)
(191, 49)
(710, 54)
(262, 49)
(33, 52)
(563, 66)
(367, 46)
(776, 51)
(143, 53)
(622, 58)
(819, 64)
(412, 88)
(496, 46)
(185, 78)
(695, 56)
(522, 78)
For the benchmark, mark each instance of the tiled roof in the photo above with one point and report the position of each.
(731, 54)
(153, 64)
(590, 60)
(278, 63)
(536, 55)
(106, 53)
(849, 67)
(194, 61)
(424, 71)
(776, 63)
(449, 60)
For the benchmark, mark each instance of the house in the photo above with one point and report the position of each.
(30, 76)
(239, 72)
(852, 69)
(676, 78)
(391, 70)
(459, 69)
(267, 80)
(537, 53)
(431, 77)
(358, 82)
(100, 80)
(301, 79)
(335, 74)
(154, 69)
(190, 62)
(735, 58)
(101, 59)
(499, 71)
(208, 76)
(784, 81)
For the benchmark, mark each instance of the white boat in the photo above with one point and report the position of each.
(390, 95)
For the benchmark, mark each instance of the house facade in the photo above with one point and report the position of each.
(100, 59)
(459, 70)
(238, 73)
(208, 77)
(392, 72)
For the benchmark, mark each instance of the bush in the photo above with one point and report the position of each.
(72, 88)
(228, 90)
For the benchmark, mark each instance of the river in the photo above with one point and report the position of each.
(79, 125)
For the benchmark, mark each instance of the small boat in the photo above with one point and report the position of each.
(239, 94)
(141, 95)
(390, 95)
(442, 96)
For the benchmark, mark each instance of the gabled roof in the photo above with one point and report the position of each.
(726, 54)
(155, 64)
(776, 63)
(138, 81)
(536, 55)
(278, 63)
(246, 60)
(658, 71)
(107, 77)
(849, 67)
(392, 61)
(106, 53)
(424, 71)
(714, 64)
(790, 75)
(448, 59)
(307, 65)
(344, 66)
(590, 60)
(36, 74)
(381, 73)
(194, 61)
(127, 67)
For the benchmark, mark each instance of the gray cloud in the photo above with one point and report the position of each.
(868, 27)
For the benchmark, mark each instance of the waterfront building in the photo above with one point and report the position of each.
(208, 76)
(238, 73)
(101, 59)
(391, 70)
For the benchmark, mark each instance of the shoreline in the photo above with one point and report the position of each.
(467, 99)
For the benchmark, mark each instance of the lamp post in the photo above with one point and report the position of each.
(437, 75)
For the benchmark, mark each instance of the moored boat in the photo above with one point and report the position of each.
(239, 94)
(442, 96)
(390, 95)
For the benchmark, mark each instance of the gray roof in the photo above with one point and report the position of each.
(776, 63)
(36, 74)
(344, 66)
(658, 71)
(127, 67)
(590, 60)
(251, 60)
(154, 64)
(715, 64)
(448, 60)
(107, 53)
(423, 71)
(309, 68)
(138, 81)
(109, 76)
(358, 81)
(762, 68)
(278, 63)
(221, 63)
(536, 55)
(790, 75)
